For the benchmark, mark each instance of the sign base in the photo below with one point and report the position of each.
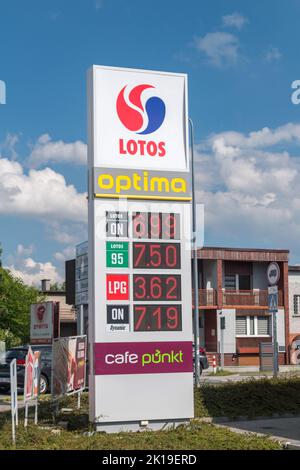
(135, 426)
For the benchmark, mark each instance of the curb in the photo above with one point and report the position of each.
(280, 440)
(221, 423)
(293, 445)
(226, 419)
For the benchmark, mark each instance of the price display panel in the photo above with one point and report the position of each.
(157, 317)
(151, 255)
(158, 225)
(153, 287)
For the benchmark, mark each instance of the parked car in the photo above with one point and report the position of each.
(204, 364)
(19, 353)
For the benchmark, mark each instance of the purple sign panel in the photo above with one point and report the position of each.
(143, 358)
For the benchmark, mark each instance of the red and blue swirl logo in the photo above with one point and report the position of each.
(139, 118)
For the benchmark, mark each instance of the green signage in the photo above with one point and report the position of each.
(117, 254)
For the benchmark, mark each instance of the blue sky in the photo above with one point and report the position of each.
(241, 58)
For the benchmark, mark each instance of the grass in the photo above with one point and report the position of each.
(251, 398)
(192, 437)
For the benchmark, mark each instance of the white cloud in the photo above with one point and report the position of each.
(272, 54)
(65, 254)
(30, 271)
(220, 48)
(251, 187)
(7, 148)
(235, 20)
(43, 194)
(25, 251)
(68, 233)
(45, 150)
(232, 141)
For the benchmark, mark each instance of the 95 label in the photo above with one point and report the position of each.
(117, 254)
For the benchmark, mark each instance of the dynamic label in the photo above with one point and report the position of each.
(117, 318)
(143, 358)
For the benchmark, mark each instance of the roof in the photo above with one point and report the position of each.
(294, 268)
(268, 250)
(243, 254)
(53, 292)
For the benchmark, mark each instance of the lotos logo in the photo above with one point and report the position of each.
(136, 117)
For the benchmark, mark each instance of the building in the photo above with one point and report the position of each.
(68, 324)
(233, 284)
(294, 296)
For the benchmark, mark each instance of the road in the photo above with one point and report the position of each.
(287, 429)
(5, 401)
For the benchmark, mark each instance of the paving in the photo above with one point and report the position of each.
(5, 402)
(243, 373)
(206, 378)
(285, 429)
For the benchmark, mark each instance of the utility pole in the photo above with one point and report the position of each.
(195, 265)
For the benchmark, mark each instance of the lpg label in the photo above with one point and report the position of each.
(117, 287)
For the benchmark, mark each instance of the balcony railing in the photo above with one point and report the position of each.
(259, 298)
(249, 297)
(207, 297)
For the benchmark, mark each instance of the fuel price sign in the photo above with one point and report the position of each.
(140, 316)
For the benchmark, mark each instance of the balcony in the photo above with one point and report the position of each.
(233, 298)
(249, 298)
(207, 298)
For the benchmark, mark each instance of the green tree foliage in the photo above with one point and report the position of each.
(56, 287)
(15, 300)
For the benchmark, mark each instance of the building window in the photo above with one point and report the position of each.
(241, 326)
(251, 330)
(230, 282)
(253, 326)
(263, 326)
(296, 304)
(244, 282)
(237, 282)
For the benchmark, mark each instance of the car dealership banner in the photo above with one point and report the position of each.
(68, 365)
(32, 374)
(32, 382)
(140, 315)
(44, 322)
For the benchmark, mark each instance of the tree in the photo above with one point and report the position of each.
(15, 300)
(56, 287)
